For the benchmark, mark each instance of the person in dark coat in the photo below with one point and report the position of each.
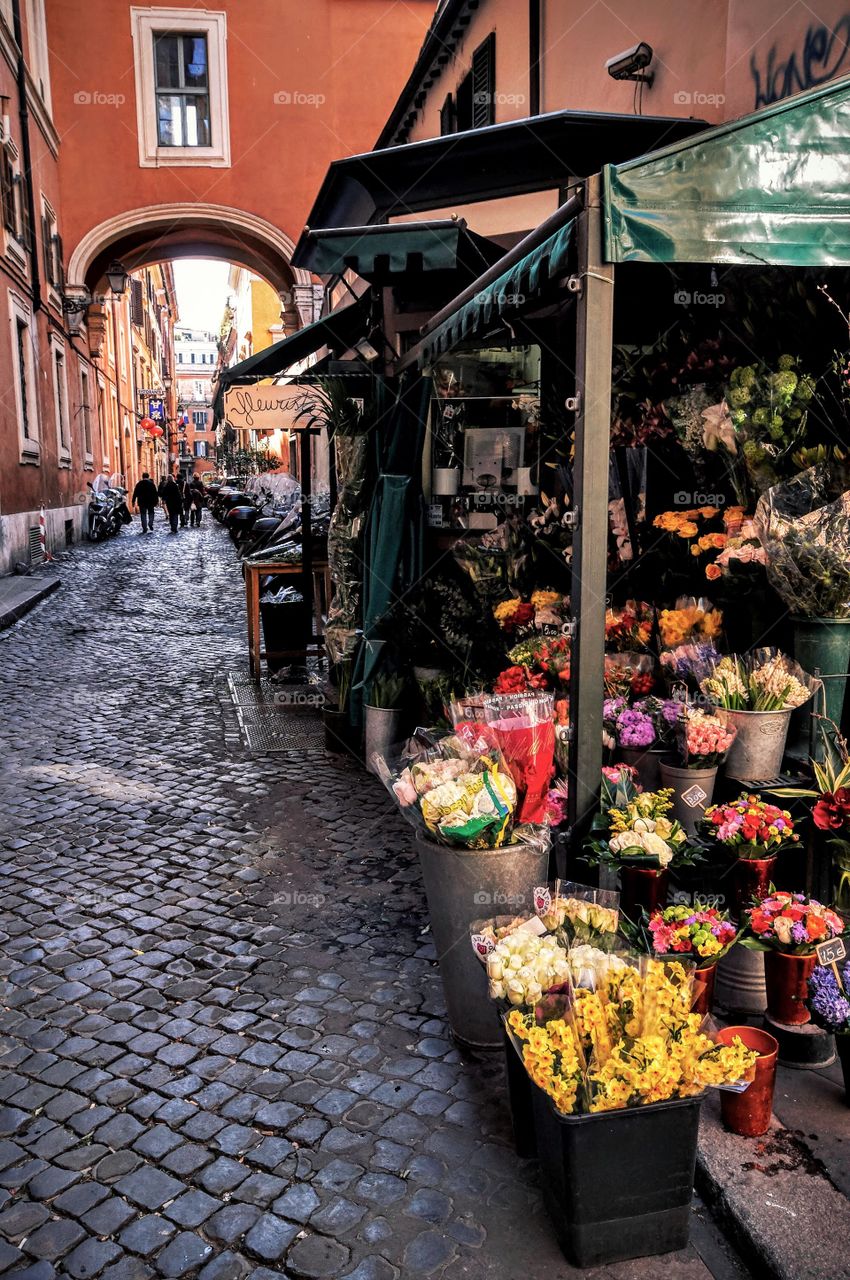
(183, 485)
(145, 497)
(170, 493)
(197, 499)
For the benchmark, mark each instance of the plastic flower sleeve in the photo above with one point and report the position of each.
(459, 792)
(345, 534)
(524, 730)
(804, 527)
(486, 934)
(548, 1043)
(578, 912)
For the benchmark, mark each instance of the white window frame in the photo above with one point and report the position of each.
(100, 418)
(13, 241)
(145, 24)
(86, 416)
(48, 215)
(61, 407)
(29, 446)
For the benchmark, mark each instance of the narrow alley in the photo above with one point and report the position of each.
(223, 1043)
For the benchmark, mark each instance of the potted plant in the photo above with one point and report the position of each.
(757, 693)
(640, 733)
(339, 734)
(787, 927)
(702, 742)
(831, 811)
(641, 841)
(829, 1007)
(703, 934)
(383, 716)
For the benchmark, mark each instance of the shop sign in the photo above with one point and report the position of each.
(265, 408)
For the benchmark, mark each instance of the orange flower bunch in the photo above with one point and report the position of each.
(678, 625)
(684, 523)
(709, 542)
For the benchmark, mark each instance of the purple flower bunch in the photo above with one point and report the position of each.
(635, 729)
(694, 661)
(829, 1005)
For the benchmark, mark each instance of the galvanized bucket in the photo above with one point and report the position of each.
(740, 986)
(756, 754)
(463, 885)
(692, 792)
(382, 731)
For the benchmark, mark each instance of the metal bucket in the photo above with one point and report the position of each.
(463, 885)
(383, 729)
(692, 792)
(740, 987)
(756, 754)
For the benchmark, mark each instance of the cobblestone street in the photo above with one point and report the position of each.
(223, 1042)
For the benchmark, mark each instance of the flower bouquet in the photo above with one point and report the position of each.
(460, 790)
(642, 841)
(758, 693)
(640, 732)
(691, 620)
(700, 746)
(689, 663)
(578, 913)
(522, 726)
(788, 927)
(831, 811)
(769, 412)
(704, 934)
(628, 674)
(523, 965)
(629, 628)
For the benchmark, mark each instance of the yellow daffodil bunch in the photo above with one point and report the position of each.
(551, 1057)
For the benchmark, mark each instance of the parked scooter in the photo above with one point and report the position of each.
(107, 513)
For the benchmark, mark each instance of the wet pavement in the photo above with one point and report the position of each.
(222, 1034)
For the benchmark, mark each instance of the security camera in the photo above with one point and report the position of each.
(629, 65)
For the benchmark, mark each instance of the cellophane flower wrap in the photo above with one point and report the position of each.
(692, 620)
(749, 827)
(828, 1000)
(791, 922)
(627, 1040)
(459, 790)
(804, 527)
(764, 680)
(641, 833)
(629, 628)
(578, 913)
(522, 726)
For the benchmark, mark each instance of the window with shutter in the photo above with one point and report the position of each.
(47, 246)
(136, 310)
(447, 116)
(25, 234)
(7, 189)
(484, 83)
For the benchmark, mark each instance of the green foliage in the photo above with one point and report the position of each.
(387, 691)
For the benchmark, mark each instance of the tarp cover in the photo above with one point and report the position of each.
(508, 293)
(771, 187)
(384, 252)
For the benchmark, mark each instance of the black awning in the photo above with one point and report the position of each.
(338, 331)
(536, 154)
(384, 253)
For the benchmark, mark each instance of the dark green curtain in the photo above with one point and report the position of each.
(393, 543)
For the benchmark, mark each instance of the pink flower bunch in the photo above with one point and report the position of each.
(707, 740)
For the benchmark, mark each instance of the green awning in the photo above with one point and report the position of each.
(380, 253)
(509, 293)
(772, 187)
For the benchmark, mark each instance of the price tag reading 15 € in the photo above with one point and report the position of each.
(831, 952)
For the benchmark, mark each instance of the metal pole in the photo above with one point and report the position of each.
(594, 340)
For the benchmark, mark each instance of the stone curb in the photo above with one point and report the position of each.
(19, 595)
(775, 1199)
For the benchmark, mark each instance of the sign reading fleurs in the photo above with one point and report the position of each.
(264, 408)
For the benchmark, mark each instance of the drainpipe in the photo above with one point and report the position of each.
(26, 154)
(534, 20)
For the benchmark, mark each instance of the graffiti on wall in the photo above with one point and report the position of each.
(823, 52)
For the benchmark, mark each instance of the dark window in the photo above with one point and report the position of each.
(137, 311)
(23, 337)
(199, 417)
(59, 374)
(484, 83)
(85, 411)
(182, 90)
(447, 116)
(463, 104)
(7, 186)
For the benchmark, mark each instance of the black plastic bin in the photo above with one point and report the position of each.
(287, 626)
(519, 1099)
(619, 1184)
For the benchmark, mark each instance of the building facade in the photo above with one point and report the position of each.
(153, 310)
(195, 358)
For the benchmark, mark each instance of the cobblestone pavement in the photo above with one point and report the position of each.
(222, 1031)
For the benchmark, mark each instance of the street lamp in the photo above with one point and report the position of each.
(117, 277)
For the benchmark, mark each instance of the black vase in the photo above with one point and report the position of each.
(842, 1044)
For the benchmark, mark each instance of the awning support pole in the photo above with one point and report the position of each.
(594, 347)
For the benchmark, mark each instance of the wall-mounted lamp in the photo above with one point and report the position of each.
(117, 278)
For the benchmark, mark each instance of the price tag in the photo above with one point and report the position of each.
(435, 515)
(831, 952)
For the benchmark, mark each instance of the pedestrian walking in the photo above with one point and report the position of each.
(183, 486)
(145, 497)
(198, 501)
(170, 493)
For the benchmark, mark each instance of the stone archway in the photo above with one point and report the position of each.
(154, 233)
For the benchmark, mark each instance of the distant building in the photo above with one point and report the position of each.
(195, 358)
(252, 322)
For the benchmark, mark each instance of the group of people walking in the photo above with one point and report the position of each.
(184, 500)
